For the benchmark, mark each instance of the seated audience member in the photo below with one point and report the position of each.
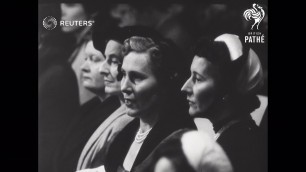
(91, 114)
(150, 88)
(58, 96)
(82, 34)
(108, 40)
(225, 78)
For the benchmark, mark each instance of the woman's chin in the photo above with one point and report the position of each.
(112, 90)
(131, 112)
(192, 112)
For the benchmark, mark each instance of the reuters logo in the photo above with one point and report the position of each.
(49, 23)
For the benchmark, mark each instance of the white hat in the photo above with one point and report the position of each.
(250, 76)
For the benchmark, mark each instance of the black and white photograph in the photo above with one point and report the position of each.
(153, 86)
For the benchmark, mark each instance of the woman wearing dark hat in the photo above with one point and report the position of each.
(225, 78)
(108, 39)
(89, 116)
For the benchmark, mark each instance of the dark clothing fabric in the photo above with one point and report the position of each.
(91, 115)
(119, 148)
(263, 135)
(242, 144)
(57, 98)
(170, 147)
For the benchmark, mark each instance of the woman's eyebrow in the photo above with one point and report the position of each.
(136, 73)
(196, 73)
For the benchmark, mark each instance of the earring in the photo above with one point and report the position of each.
(225, 98)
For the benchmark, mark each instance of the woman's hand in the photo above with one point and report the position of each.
(98, 169)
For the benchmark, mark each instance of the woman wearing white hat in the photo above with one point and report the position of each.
(225, 78)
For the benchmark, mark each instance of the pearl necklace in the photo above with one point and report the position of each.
(140, 137)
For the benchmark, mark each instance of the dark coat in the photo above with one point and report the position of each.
(91, 115)
(243, 146)
(58, 99)
(119, 148)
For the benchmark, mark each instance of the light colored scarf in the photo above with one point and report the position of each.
(103, 136)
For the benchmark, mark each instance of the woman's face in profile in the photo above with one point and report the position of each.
(90, 75)
(201, 86)
(109, 67)
(138, 85)
(72, 12)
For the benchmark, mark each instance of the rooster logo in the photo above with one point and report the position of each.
(256, 13)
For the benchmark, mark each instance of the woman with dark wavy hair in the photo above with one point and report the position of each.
(225, 78)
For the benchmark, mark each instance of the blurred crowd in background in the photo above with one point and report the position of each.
(182, 23)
